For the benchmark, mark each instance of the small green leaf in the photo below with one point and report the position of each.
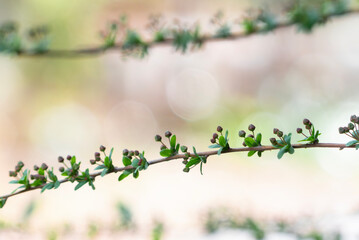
(250, 142)
(73, 160)
(100, 167)
(259, 153)
(57, 184)
(14, 182)
(173, 142)
(259, 138)
(166, 152)
(80, 184)
(136, 173)
(124, 175)
(287, 138)
(251, 153)
(200, 168)
(135, 162)
(226, 135)
(47, 186)
(126, 161)
(107, 162)
(291, 150)
(104, 172)
(214, 146)
(193, 161)
(222, 141)
(220, 150)
(110, 155)
(351, 143)
(2, 202)
(357, 147)
(282, 151)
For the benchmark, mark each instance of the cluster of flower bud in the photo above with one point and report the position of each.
(351, 128)
(18, 168)
(215, 135)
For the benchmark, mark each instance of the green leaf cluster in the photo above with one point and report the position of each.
(183, 37)
(254, 142)
(107, 166)
(194, 161)
(223, 143)
(173, 150)
(313, 138)
(284, 145)
(138, 163)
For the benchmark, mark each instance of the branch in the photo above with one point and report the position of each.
(305, 17)
(203, 154)
(134, 161)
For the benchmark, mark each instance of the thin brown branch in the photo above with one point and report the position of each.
(95, 51)
(207, 153)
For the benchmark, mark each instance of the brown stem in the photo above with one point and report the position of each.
(207, 153)
(95, 51)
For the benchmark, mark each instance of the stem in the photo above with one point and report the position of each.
(206, 154)
(95, 51)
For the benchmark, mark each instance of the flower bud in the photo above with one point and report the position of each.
(242, 133)
(158, 138)
(275, 130)
(244, 144)
(36, 167)
(125, 152)
(251, 127)
(308, 127)
(60, 159)
(346, 129)
(20, 164)
(251, 135)
(97, 154)
(219, 129)
(341, 130)
(306, 121)
(136, 153)
(44, 166)
(353, 118)
(184, 149)
(68, 157)
(12, 173)
(215, 135)
(280, 134)
(186, 169)
(273, 141)
(93, 161)
(299, 130)
(168, 134)
(163, 147)
(213, 140)
(102, 148)
(61, 169)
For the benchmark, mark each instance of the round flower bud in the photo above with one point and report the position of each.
(102, 148)
(131, 153)
(299, 130)
(280, 134)
(351, 126)
(308, 127)
(36, 167)
(12, 173)
(61, 169)
(44, 166)
(168, 134)
(251, 136)
(306, 121)
(251, 127)
(68, 157)
(125, 152)
(341, 130)
(242, 133)
(213, 140)
(346, 129)
(275, 130)
(20, 164)
(158, 138)
(136, 153)
(60, 159)
(184, 149)
(244, 144)
(93, 161)
(97, 154)
(353, 118)
(17, 168)
(219, 129)
(215, 135)
(32, 177)
(273, 141)
(163, 147)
